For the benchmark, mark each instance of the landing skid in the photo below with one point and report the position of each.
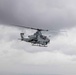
(39, 45)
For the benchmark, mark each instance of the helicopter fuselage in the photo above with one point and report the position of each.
(36, 38)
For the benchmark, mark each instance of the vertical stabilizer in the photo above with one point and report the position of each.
(22, 36)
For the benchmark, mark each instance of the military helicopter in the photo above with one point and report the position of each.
(37, 38)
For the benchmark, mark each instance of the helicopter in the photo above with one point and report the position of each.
(37, 38)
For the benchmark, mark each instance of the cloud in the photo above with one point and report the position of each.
(47, 14)
(20, 57)
(65, 42)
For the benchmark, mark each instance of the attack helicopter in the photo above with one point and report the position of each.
(37, 38)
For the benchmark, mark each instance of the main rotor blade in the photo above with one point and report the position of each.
(52, 31)
(25, 27)
(57, 31)
(31, 28)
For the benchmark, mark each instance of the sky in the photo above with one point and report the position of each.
(21, 58)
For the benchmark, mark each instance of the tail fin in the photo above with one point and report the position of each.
(22, 36)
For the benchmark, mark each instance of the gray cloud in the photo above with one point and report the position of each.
(21, 58)
(48, 14)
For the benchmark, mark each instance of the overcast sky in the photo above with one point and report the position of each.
(19, 58)
(51, 14)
